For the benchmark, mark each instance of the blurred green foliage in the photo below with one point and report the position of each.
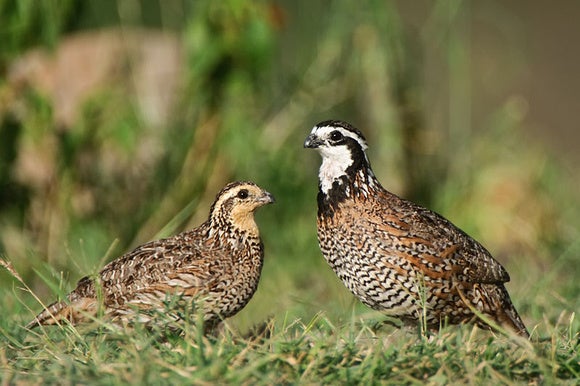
(253, 78)
(26, 24)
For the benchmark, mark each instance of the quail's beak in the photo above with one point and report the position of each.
(267, 198)
(312, 142)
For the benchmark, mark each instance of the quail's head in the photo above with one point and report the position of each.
(342, 148)
(237, 202)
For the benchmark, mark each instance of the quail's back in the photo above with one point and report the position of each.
(394, 255)
(215, 267)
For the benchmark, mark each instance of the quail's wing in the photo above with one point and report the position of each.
(150, 272)
(436, 242)
(180, 264)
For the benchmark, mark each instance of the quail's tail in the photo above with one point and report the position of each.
(75, 311)
(50, 315)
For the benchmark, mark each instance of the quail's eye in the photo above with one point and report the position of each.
(336, 135)
(243, 194)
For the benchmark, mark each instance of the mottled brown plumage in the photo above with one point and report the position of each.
(394, 255)
(215, 267)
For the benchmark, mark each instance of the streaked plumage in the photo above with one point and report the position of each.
(215, 266)
(394, 255)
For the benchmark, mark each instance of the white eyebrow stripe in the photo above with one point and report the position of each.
(322, 131)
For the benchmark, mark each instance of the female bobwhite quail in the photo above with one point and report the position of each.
(215, 267)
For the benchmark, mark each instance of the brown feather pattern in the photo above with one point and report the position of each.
(394, 255)
(217, 265)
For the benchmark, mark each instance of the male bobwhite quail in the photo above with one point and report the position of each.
(215, 266)
(394, 255)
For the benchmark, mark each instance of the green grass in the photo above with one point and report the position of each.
(253, 85)
(289, 351)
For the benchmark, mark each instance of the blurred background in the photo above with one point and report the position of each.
(121, 120)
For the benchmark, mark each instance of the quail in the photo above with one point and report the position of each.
(214, 267)
(396, 256)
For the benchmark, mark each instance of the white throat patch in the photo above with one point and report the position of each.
(335, 161)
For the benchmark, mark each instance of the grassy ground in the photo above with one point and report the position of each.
(75, 194)
(287, 350)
